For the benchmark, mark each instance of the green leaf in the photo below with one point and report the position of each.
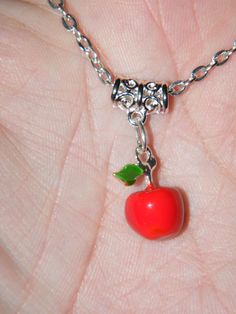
(129, 173)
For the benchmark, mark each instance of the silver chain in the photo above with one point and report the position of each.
(174, 89)
(199, 73)
(69, 22)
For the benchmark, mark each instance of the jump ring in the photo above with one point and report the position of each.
(140, 118)
(141, 137)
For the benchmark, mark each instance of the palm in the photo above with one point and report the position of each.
(65, 244)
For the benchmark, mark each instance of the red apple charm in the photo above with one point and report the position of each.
(155, 213)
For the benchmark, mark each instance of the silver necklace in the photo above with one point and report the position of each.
(156, 212)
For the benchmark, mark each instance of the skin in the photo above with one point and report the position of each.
(65, 244)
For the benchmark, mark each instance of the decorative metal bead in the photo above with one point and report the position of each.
(133, 97)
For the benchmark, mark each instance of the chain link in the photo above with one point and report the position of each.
(199, 73)
(70, 24)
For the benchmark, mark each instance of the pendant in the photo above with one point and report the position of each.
(155, 212)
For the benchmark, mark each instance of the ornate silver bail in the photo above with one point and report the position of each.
(142, 99)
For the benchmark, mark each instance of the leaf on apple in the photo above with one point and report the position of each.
(129, 173)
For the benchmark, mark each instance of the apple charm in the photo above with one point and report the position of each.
(155, 213)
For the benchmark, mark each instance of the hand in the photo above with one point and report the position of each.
(66, 247)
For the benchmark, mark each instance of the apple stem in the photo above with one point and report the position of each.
(148, 178)
(150, 187)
